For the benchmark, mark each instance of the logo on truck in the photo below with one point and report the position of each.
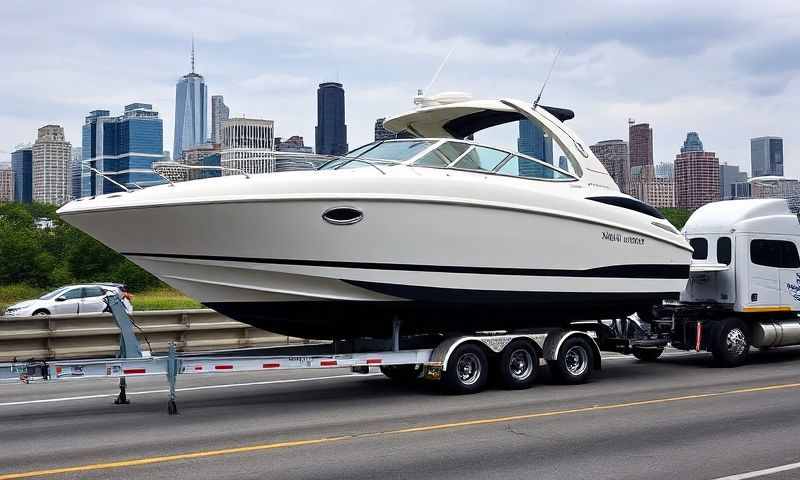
(794, 288)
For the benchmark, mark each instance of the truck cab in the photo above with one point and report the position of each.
(745, 256)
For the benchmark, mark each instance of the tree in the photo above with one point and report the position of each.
(52, 257)
(677, 216)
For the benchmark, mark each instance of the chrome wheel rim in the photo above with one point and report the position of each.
(736, 342)
(468, 368)
(520, 364)
(576, 360)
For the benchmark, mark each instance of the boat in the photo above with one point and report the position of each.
(438, 232)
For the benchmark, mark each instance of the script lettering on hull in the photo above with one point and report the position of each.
(620, 238)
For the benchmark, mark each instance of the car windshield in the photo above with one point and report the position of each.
(53, 294)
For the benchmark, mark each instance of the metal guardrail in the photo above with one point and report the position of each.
(97, 335)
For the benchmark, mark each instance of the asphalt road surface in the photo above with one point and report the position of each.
(677, 418)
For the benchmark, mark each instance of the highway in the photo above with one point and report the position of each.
(677, 418)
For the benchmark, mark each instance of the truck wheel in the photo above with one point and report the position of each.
(517, 365)
(467, 370)
(730, 342)
(401, 373)
(575, 361)
(647, 354)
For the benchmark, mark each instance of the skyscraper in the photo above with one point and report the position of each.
(52, 156)
(696, 177)
(640, 144)
(219, 113)
(533, 142)
(6, 183)
(22, 166)
(331, 131)
(731, 181)
(191, 97)
(692, 143)
(655, 191)
(766, 156)
(613, 154)
(248, 144)
(124, 148)
(75, 173)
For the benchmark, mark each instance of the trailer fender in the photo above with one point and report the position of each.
(552, 346)
(494, 344)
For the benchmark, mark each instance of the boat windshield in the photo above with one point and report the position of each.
(389, 152)
(455, 154)
(466, 156)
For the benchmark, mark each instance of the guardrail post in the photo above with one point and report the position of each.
(51, 328)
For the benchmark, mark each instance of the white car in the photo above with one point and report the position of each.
(71, 300)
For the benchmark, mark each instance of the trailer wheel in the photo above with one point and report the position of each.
(401, 373)
(467, 370)
(517, 365)
(647, 354)
(575, 361)
(730, 342)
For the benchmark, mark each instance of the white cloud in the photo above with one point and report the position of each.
(718, 67)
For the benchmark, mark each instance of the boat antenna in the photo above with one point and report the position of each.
(439, 70)
(547, 79)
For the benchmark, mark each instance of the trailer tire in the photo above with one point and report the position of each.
(575, 361)
(401, 373)
(467, 370)
(517, 364)
(730, 342)
(647, 354)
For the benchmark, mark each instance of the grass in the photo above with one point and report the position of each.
(17, 292)
(157, 299)
(163, 299)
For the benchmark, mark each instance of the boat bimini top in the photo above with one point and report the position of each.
(459, 120)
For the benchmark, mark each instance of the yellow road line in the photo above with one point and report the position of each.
(426, 428)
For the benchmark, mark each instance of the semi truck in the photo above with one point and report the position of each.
(743, 292)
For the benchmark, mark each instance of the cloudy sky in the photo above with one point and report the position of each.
(726, 69)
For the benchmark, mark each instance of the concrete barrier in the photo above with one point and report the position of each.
(97, 335)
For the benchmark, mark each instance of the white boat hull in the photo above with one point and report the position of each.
(431, 258)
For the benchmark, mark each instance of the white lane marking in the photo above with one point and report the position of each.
(188, 389)
(761, 473)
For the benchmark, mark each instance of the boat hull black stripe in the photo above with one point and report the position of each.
(657, 271)
(435, 310)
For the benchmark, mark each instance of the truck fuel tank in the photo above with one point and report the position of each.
(776, 334)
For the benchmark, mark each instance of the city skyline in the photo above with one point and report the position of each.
(746, 87)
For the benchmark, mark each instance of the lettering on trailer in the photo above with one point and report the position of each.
(620, 238)
(305, 360)
(794, 288)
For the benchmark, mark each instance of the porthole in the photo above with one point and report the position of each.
(343, 215)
